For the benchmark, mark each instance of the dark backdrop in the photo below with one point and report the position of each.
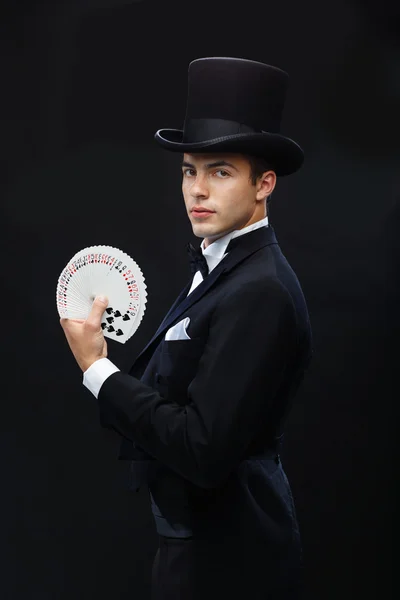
(84, 86)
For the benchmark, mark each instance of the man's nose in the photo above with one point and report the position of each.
(199, 186)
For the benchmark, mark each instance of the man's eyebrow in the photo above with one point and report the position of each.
(217, 163)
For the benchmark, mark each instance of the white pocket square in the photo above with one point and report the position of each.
(178, 331)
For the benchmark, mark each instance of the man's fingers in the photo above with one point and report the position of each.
(94, 319)
(99, 306)
(64, 321)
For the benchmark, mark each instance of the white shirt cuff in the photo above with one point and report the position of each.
(97, 373)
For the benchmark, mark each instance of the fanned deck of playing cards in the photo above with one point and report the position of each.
(110, 272)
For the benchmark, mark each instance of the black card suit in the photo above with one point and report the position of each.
(110, 319)
(117, 313)
(111, 328)
(126, 317)
(120, 332)
(109, 310)
(103, 325)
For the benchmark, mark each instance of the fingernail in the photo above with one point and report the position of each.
(102, 299)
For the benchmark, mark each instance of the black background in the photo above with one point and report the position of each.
(84, 87)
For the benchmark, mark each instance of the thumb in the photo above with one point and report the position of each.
(99, 306)
(101, 301)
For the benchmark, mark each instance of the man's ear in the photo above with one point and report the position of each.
(266, 184)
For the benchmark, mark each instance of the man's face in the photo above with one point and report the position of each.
(221, 183)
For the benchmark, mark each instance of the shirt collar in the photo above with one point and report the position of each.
(215, 252)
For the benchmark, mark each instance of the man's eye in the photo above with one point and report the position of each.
(186, 170)
(221, 171)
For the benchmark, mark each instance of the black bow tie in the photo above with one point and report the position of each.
(197, 260)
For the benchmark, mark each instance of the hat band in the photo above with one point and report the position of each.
(198, 130)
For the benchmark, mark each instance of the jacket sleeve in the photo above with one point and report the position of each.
(252, 340)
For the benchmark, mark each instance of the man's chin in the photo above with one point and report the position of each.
(209, 233)
(201, 231)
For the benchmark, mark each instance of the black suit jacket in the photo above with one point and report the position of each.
(208, 411)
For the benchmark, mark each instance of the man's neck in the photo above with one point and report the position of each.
(209, 241)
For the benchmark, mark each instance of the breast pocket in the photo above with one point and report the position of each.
(177, 366)
(178, 353)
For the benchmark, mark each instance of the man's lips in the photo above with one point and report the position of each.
(202, 214)
(202, 210)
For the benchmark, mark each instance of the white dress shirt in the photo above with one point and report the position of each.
(101, 369)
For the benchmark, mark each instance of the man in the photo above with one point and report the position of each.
(202, 410)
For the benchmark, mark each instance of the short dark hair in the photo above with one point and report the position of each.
(258, 166)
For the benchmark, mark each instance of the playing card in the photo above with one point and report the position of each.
(108, 271)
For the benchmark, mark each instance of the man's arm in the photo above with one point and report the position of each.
(97, 373)
(252, 340)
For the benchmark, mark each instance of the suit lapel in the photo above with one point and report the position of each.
(182, 303)
(239, 249)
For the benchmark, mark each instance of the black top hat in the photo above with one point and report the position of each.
(235, 105)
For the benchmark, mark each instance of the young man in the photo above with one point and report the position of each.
(202, 409)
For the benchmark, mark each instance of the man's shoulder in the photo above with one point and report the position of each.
(255, 284)
(261, 270)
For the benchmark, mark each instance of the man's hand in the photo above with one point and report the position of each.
(85, 338)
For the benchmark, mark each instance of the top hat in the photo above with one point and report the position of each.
(235, 105)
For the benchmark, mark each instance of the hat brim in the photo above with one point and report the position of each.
(284, 155)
